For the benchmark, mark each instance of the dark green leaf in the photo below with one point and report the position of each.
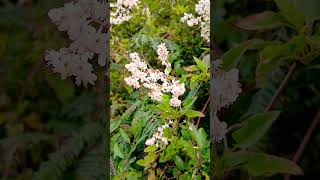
(254, 128)
(192, 113)
(151, 148)
(189, 102)
(124, 135)
(179, 162)
(260, 22)
(263, 164)
(232, 57)
(290, 12)
(118, 151)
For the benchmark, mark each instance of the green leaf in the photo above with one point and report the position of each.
(148, 159)
(265, 71)
(263, 164)
(118, 151)
(179, 162)
(260, 22)
(290, 12)
(151, 175)
(164, 106)
(233, 160)
(260, 164)
(200, 64)
(192, 113)
(151, 148)
(232, 57)
(191, 68)
(309, 8)
(314, 67)
(189, 102)
(151, 157)
(124, 135)
(206, 61)
(142, 162)
(201, 138)
(254, 128)
(183, 78)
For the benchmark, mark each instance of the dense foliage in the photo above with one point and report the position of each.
(137, 120)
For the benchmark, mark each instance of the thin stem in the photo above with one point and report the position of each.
(305, 140)
(202, 111)
(114, 171)
(281, 87)
(284, 82)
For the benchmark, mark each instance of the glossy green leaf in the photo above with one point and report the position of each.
(187, 104)
(201, 137)
(191, 68)
(192, 113)
(206, 61)
(179, 162)
(260, 22)
(290, 12)
(142, 162)
(118, 151)
(151, 148)
(254, 128)
(200, 64)
(309, 8)
(263, 164)
(232, 57)
(124, 135)
(260, 164)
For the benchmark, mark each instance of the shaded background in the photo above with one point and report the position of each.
(299, 101)
(49, 128)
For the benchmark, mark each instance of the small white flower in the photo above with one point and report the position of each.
(175, 102)
(202, 9)
(156, 81)
(178, 89)
(149, 142)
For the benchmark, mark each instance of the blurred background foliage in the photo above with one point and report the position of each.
(289, 31)
(49, 128)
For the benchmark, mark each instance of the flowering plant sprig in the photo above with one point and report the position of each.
(86, 23)
(121, 10)
(155, 80)
(202, 19)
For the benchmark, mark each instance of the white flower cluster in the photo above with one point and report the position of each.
(77, 19)
(121, 10)
(226, 88)
(156, 81)
(158, 137)
(203, 19)
(220, 129)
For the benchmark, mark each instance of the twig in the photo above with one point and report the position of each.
(282, 85)
(305, 140)
(284, 82)
(125, 168)
(114, 171)
(202, 111)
